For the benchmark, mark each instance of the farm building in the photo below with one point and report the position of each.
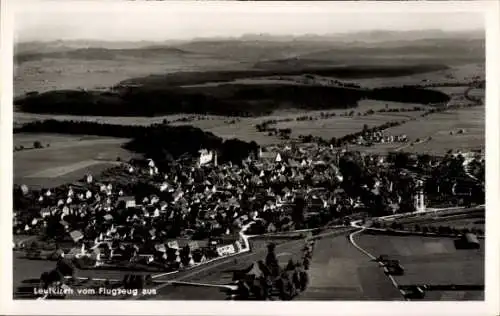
(468, 241)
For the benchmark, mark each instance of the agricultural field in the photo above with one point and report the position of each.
(429, 260)
(461, 129)
(67, 159)
(459, 221)
(469, 223)
(340, 272)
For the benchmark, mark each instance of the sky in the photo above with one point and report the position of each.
(155, 23)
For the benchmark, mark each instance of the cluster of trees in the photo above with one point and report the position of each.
(409, 95)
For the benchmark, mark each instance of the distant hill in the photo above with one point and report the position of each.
(93, 53)
(416, 52)
(262, 47)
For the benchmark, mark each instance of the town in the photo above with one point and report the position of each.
(139, 217)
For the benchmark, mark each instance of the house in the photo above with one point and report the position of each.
(76, 235)
(45, 212)
(173, 244)
(146, 258)
(205, 157)
(160, 248)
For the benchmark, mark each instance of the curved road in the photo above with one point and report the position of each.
(369, 255)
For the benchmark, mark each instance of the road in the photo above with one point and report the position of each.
(370, 255)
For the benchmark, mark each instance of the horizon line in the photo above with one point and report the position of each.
(482, 31)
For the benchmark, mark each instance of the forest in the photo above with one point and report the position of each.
(225, 99)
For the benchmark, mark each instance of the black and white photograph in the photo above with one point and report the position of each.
(212, 154)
